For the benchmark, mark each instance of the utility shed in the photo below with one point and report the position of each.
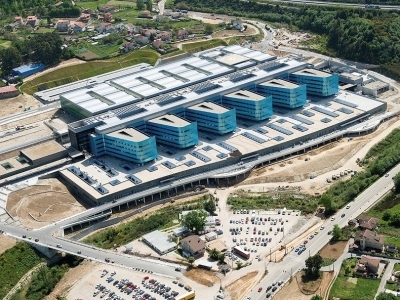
(159, 242)
(211, 236)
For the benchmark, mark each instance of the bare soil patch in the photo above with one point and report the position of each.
(292, 290)
(17, 104)
(251, 30)
(39, 205)
(238, 288)
(70, 278)
(6, 243)
(333, 249)
(202, 276)
(88, 55)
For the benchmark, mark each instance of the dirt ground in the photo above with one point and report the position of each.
(251, 30)
(333, 249)
(46, 202)
(17, 104)
(292, 290)
(70, 278)
(202, 276)
(237, 289)
(6, 243)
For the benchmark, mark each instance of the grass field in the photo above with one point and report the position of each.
(93, 68)
(122, 3)
(350, 288)
(4, 43)
(44, 30)
(129, 15)
(203, 45)
(15, 263)
(91, 4)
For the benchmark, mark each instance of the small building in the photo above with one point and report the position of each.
(78, 27)
(62, 25)
(18, 19)
(145, 14)
(8, 92)
(141, 39)
(164, 36)
(392, 249)
(211, 236)
(32, 21)
(26, 70)
(179, 231)
(367, 265)
(365, 222)
(106, 8)
(58, 4)
(193, 246)
(238, 24)
(158, 44)
(149, 32)
(159, 242)
(105, 28)
(126, 47)
(369, 239)
(205, 264)
(375, 88)
(182, 34)
(107, 17)
(84, 17)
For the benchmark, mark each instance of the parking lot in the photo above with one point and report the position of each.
(258, 232)
(114, 283)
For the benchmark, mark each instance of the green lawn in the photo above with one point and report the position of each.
(122, 3)
(44, 30)
(203, 45)
(4, 43)
(392, 286)
(15, 263)
(328, 261)
(350, 288)
(130, 15)
(91, 4)
(89, 69)
(396, 267)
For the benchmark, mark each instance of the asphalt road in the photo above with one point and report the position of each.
(294, 262)
(331, 3)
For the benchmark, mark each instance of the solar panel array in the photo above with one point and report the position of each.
(190, 163)
(253, 137)
(200, 156)
(279, 129)
(207, 148)
(344, 102)
(240, 76)
(222, 155)
(325, 111)
(168, 164)
(300, 128)
(129, 110)
(133, 179)
(152, 168)
(260, 130)
(302, 120)
(227, 146)
(170, 100)
(269, 66)
(180, 158)
(307, 113)
(278, 138)
(345, 110)
(205, 87)
(326, 120)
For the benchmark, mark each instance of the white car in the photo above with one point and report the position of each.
(348, 206)
(333, 219)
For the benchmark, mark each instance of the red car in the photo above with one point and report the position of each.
(259, 289)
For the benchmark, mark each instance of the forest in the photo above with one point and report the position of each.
(40, 8)
(358, 34)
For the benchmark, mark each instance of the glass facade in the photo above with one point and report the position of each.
(284, 94)
(174, 131)
(209, 119)
(73, 109)
(123, 144)
(249, 105)
(318, 83)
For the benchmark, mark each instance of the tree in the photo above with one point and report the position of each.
(313, 265)
(386, 296)
(221, 258)
(140, 4)
(208, 28)
(396, 180)
(214, 254)
(191, 260)
(316, 297)
(209, 206)
(149, 5)
(336, 232)
(195, 220)
(11, 58)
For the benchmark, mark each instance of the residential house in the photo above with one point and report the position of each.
(84, 17)
(149, 32)
(238, 24)
(78, 27)
(193, 246)
(158, 45)
(106, 8)
(175, 15)
(31, 21)
(18, 19)
(167, 12)
(164, 36)
(104, 28)
(141, 39)
(367, 265)
(369, 239)
(126, 47)
(365, 222)
(62, 25)
(107, 17)
(182, 34)
(392, 249)
(145, 14)
(58, 4)
(129, 27)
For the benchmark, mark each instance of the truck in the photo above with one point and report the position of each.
(238, 250)
(187, 296)
(253, 216)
